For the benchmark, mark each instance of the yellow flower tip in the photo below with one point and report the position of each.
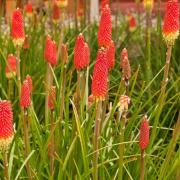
(148, 5)
(62, 4)
(10, 75)
(18, 42)
(170, 37)
(5, 143)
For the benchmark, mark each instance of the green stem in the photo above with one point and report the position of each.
(26, 142)
(18, 69)
(142, 168)
(10, 89)
(6, 174)
(49, 80)
(172, 144)
(121, 146)
(51, 150)
(96, 140)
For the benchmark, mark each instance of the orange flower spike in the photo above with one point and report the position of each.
(11, 66)
(99, 85)
(79, 53)
(144, 133)
(111, 56)
(6, 125)
(25, 100)
(17, 29)
(171, 22)
(105, 28)
(52, 98)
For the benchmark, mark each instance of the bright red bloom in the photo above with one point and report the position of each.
(50, 52)
(79, 53)
(6, 125)
(87, 54)
(105, 28)
(29, 9)
(52, 97)
(56, 13)
(100, 76)
(171, 22)
(104, 3)
(132, 23)
(11, 66)
(17, 29)
(25, 100)
(29, 80)
(111, 56)
(144, 133)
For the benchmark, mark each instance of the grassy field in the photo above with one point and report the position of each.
(74, 121)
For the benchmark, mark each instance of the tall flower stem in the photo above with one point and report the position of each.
(148, 44)
(162, 93)
(26, 142)
(49, 79)
(121, 146)
(142, 166)
(6, 174)
(52, 147)
(18, 69)
(10, 89)
(96, 139)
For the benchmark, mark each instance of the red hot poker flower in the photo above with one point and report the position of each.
(144, 133)
(111, 56)
(132, 24)
(52, 97)
(56, 13)
(104, 3)
(29, 9)
(17, 29)
(105, 28)
(87, 54)
(29, 80)
(6, 125)
(11, 66)
(25, 100)
(79, 53)
(99, 85)
(171, 22)
(50, 52)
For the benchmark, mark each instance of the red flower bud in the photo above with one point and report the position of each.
(6, 125)
(124, 53)
(52, 97)
(29, 9)
(132, 24)
(100, 76)
(50, 53)
(87, 54)
(144, 133)
(25, 100)
(111, 56)
(105, 28)
(17, 30)
(56, 13)
(104, 3)
(11, 66)
(171, 22)
(30, 84)
(79, 53)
